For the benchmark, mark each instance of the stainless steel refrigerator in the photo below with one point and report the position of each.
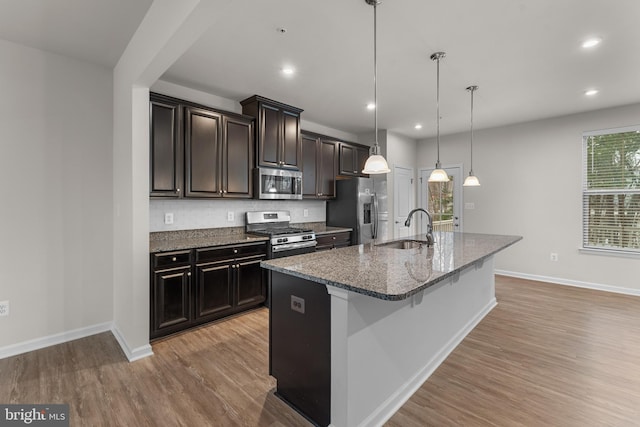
(361, 204)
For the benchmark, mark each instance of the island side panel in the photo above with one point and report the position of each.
(392, 347)
(300, 345)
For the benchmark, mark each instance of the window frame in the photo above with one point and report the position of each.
(585, 192)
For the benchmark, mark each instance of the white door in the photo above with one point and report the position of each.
(403, 200)
(443, 200)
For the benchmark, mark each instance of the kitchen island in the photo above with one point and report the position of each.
(355, 331)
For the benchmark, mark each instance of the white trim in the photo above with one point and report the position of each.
(47, 341)
(613, 130)
(568, 282)
(386, 410)
(131, 354)
(609, 252)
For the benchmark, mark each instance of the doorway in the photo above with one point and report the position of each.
(403, 200)
(442, 199)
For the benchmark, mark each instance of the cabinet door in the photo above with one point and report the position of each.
(237, 158)
(327, 168)
(251, 284)
(171, 300)
(203, 151)
(291, 154)
(347, 159)
(309, 167)
(165, 177)
(214, 290)
(270, 136)
(362, 154)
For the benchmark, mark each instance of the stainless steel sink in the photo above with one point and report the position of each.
(404, 244)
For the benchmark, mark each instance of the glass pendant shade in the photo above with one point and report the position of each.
(376, 164)
(439, 175)
(471, 181)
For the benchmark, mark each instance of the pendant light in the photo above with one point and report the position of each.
(471, 180)
(439, 174)
(376, 163)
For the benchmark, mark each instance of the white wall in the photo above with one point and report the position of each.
(56, 245)
(531, 176)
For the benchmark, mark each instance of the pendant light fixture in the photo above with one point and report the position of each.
(438, 174)
(376, 163)
(471, 180)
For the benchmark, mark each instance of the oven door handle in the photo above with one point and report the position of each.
(290, 246)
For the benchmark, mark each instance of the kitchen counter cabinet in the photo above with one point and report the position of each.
(393, 316)
(278, 142)
(335, 240)
(319, 166)
(166, 151)
(352, 159)
(195, 286)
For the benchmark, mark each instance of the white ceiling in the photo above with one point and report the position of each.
(524, 54)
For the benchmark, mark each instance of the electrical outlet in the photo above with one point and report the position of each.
(230, 216)
(553, 256)
(4, 308)
(305, 213)
(168, 218)
(469, 205)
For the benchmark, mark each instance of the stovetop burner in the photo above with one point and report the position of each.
(278, 231)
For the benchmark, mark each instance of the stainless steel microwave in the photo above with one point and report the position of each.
(278, 184)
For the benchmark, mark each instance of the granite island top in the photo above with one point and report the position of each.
(393, 274)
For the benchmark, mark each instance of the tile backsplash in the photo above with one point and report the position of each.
(194, 214)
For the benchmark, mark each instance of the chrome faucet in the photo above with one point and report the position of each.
(407, 223)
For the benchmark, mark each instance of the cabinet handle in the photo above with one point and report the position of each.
(178, 190)
(189, 274)
(235, 251)
(333, 237)
(174, 259)
(219, 191)
(355, 171)
(225, 191)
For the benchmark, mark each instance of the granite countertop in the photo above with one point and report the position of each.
(393, 274)
(320, 228)
(189, 239)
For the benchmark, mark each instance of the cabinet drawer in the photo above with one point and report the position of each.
(334, 239)
(230, 251)
(170, 259)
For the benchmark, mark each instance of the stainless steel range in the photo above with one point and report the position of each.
(284, 239)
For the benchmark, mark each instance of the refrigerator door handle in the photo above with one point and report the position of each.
(374, 228)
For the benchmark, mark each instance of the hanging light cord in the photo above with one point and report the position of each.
(438, 110)
(472, 89)
(375, 73)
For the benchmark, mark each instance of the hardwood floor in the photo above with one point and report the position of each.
(547, 355)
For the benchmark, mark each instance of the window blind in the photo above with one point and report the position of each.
(611, 190)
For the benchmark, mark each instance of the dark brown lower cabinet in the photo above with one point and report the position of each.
(226, 280)
(171, 300)
(333, 240)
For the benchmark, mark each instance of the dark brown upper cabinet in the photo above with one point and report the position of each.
(278, 142)
(352, 159)
(199, 152)
(166, 152)
(203, 151)
(319, 166)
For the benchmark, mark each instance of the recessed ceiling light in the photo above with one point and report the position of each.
(371, 106)
(591, 92)
(592, 42)
(418, 126)
(288, 71)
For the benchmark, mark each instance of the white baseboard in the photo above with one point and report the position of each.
(132, 354)
(385, 411)
(38, 343)
(568, 282)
